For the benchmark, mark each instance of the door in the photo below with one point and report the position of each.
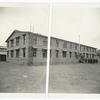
(2, 57)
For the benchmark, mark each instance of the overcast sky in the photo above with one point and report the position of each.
(21, 18)
(71, 20)
(68, 21)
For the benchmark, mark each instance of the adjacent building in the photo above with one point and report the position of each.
(3, 53)
(31, 48)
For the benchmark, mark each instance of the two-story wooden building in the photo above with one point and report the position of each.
(31, 48)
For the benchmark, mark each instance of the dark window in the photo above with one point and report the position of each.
(87, 55)
(75, 46)
(57, 53)
(65, 45)
(17, 41)
(12, 43)
(34, 52)
(24, 52)
(12, 53)
(17, 53)
(57, 43)
(83, 54)
(64, 53)
(70, 54)
(24, 38)
(44, 53)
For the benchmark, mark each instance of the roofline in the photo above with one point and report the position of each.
(28, 32)
(73, 42)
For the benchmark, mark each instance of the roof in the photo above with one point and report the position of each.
(24, 32)
(13, 33)
(44, 36)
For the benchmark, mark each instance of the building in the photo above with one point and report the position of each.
(3, 53)
(31, 48)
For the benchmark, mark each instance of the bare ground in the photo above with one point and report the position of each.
(21, 78)
(75, 78)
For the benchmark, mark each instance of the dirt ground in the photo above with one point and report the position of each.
(21, 78)
(70, 78)
(75, 78)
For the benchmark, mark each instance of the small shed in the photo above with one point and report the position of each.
(3, 53)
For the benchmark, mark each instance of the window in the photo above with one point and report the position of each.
(80, 47)
(8, 44)
(51, 42)
(35, 40)
(84, 48)
(12, 43)
(24, 52)
(34, 52)
(57, 43)
(45, 42)
(87, 55)
(64, 53)
(70, 45)
(76, 55)
(90, 49)
(12, 53)
(44, 53)
(17, 41)
(83, 54)
(17, 53)
(87, 49)
(7, 53)
(65, 45)
(50, 52)
(75, 46)
(57, 53)
(70, 54)
(24, 38)
(92, 55)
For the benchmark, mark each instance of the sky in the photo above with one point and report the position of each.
(68, 21)
(25, 18)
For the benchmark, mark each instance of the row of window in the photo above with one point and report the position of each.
(64, 54)
(75, 46)
(2, 49)
(11, 42)
(44, 53)
(11, 53)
